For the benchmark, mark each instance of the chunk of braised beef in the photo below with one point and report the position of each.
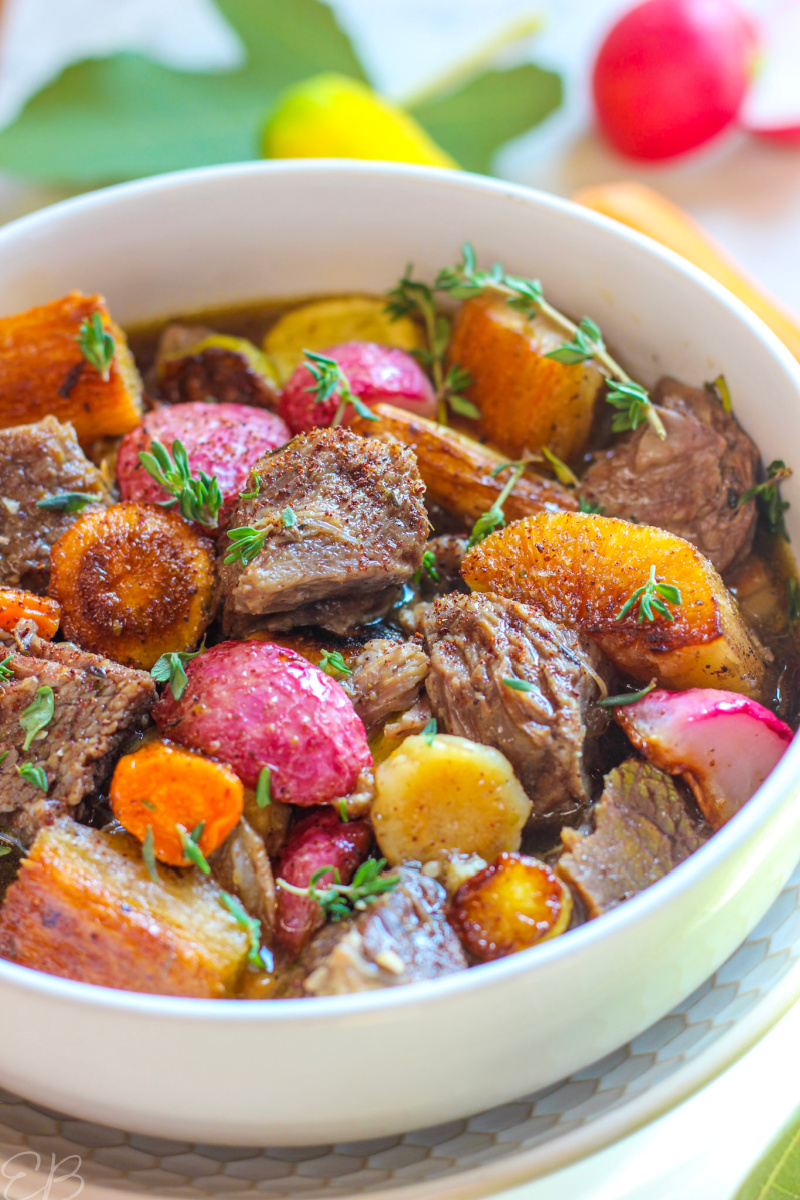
(691, 482)
(644, 824)
(504, 675)
(194, 363)
(340, 525)
(402, 937)
(40, 462)
(387, 679)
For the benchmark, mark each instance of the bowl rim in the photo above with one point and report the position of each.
(723, 845)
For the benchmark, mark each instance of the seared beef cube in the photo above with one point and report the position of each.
(387, 678)
(402, 937)
(242, 866)
(84, 907)
(644, 825)
(689, 484)
(341, 524)
(39, 462)
(97, 706)
(477, 644)
(195, 364)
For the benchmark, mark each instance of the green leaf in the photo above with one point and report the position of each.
(777, 1175)
(473, 121)
(126, 116)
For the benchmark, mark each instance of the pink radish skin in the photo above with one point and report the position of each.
(723, 744)
(671, 74)
(376, 374)
(320, 840)
(221, 439)
(254, 704)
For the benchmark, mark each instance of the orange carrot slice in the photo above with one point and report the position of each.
(18, 605)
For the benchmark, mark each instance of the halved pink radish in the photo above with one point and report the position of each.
(772, 107)
(723, 744)
(376, 374)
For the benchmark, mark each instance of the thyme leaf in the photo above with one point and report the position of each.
(626, 697)
(96, 344)
(634, 406)
(429, 732)
(650, 599)
(494, 517)
(769, 497)
(34, 775)
(719, 387)
(586, 344)
(250, 925)
(338, 900)
(562, 472)
(333, 664)
(5, 670)
(330, 380)
(169, 669)
(288, 518)
(191, 849)
(198, 499)
(264, 788)
(428, 566)
(247, 543)
(68, 502)
(518, 685)
(37, 715)
(588, 506)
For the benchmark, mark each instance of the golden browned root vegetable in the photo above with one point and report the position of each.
(457, 470)
(442, 793)
(18, 605)
(84, 907)
(134, 581)
(323, 324)
(44, 373)
(526, 400)
(161, 790)
(510, 905)
(581, 570)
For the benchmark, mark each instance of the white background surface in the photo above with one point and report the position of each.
(747, 193)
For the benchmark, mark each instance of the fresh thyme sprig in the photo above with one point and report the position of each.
(518, 685)
(772, 506)
(465, 280)
(198, 499)
(96, 344)
(494, 517)
(588, 506)
(250, 925)
(34, 775)
(626, 697)
(190, 847)
(69, 502)
(428, 566)
(170, 669)
(247, 544)
(412, 297)
(650, 598)
(338, 900)
(330, 379)
(38, 715)
(429, 732)
(333, 664)
(264, 787)
(5, 670)
(565, 476)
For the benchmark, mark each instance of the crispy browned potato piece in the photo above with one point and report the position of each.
(580, 570)
(84, 907)
(526, 400)
(511, 905)
(457, 470)
(43, 372)
(133, 582)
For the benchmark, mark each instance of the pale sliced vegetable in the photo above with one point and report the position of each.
(723, 744)
(326, 323)
(439, 793)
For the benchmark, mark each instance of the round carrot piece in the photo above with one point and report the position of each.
(18, 605)
(134, 581)
(174, 793)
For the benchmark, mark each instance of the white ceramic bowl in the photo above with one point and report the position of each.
(354, 1067)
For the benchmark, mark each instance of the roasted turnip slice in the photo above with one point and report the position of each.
(723, 744)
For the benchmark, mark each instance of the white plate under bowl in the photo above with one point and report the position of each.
(332, 1069)
(473, 1157)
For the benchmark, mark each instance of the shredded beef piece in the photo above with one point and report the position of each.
(97, 706)
(357, 531)
(38, 462)
(402, 937)
(185, 375)
(387, 678)
(644, 826)
(242, 866)
(690, 483)
(475, 643)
